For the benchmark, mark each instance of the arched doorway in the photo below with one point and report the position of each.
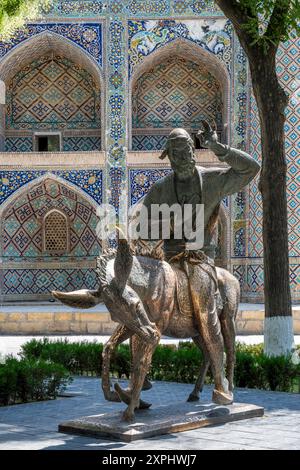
(54, 97)
(48, 240)
(177, 86)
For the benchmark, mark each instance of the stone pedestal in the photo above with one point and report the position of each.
(167, 419)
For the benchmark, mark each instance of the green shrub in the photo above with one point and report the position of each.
(170, 362)
(27, 380)
(81, 358)
(120, 361)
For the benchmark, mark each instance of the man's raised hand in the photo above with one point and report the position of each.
(207, 136)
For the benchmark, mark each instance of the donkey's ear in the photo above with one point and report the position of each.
(123, 262)
(83, 298)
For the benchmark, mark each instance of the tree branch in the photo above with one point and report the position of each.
(240, 15)
(277, 26)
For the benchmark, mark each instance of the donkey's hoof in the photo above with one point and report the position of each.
(128, 416)
(222, 398)
(147, 385)
(112, 396)
(144, 405)
(126, 398)
(193, 397)
(123, 395)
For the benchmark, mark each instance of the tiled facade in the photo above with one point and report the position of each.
(116, 76)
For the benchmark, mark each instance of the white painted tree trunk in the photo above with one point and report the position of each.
(278, 336)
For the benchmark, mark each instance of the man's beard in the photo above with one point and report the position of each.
(185, 171)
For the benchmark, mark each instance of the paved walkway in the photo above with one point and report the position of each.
(34, 425)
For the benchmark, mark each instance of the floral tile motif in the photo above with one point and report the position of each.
(145, 36)
(88, 36)
(90, 181)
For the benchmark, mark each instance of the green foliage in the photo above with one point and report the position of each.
(267, 22)
(27, 380)
(14, 13)
(120, 361)
(171, 363)
(78, 358)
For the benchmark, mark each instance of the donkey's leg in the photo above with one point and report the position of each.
(147, 385)
(140, 368)
(206, 316)
(120, 334)
(227, 320)
(194, 395)
(230, 291)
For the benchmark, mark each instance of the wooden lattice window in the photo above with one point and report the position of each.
(55, 232)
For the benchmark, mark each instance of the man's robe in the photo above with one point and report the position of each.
(213, 185)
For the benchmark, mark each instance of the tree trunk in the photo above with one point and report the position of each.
(272, 101)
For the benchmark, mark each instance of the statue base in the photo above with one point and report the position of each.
(165, 419)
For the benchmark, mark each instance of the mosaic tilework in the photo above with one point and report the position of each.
(251, 278)
(255, 245)
(77, 8)
(239, 238)
(22, 223)
(18, 144)
(87, 36)
(288, 69)
(240, 110)
(144, 37)
(74, 144)
(148, 142)
(138, 8)
(176, 93)
(198, 7)
(42, 281)
(53, 93)
(141, 180)
(148, 6)
(90, 181)
(239, 205)
(239, 271)
(255, 277)
(117, 115)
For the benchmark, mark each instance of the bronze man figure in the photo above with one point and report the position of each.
(191, 184)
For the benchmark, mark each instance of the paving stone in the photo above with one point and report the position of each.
(34, 425)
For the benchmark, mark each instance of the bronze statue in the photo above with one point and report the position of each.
(184, 295)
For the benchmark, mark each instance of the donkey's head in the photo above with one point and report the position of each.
(124, 304)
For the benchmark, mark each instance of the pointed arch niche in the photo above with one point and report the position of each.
(48, 240)
(54, 97)
(177, 86)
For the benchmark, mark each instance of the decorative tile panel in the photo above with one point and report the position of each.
(288, 69)
(18, 144)
(117, 115)
(87, 36)
(77, 8)
(90, 181)
(22, 223)
(76, 144)
(144, 37)
(239, 238)
(53, 93)
(43, 281)
(176, 93)
(149, 142)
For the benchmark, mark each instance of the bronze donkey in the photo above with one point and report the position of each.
(149, 298)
